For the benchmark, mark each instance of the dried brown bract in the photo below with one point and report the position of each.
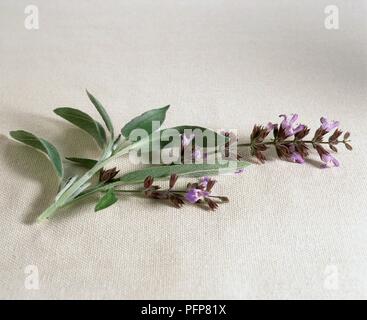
(108, 175)
(290, 144)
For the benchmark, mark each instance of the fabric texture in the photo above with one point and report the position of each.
(289, 231)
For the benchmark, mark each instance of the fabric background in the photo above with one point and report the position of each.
(220, 64)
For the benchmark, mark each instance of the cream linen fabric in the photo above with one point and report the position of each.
(290, 231)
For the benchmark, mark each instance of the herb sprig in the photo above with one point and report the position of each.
(75, 188)
(185, 151)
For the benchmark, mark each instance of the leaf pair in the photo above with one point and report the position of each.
(87, 123)
(143, 121)
(95, 129)
(91, 126)
(78, 118)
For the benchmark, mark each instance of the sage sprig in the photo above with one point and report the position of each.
(184, 150)
(73, 188)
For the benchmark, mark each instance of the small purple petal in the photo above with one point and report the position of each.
(187, 140)
(335, 162)
(294, 118)
(197, 155)
(288, 123)
(299, 128)
(329, 160)
(194, 195)
(204, 181)
(296, 157)
(328, 125)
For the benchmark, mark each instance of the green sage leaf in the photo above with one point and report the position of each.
(102, 111)
(144, 121)
(196, 170)
(107, 200)
(42, 145)
(84, 122)
(83, 162)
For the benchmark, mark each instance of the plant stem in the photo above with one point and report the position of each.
(70, 194)
(140, 191)
(48, 212)
(290, 141)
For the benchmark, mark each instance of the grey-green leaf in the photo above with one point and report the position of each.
(144, 121)
(102, 111)
(83, 162)
(107, 200)
(196, 170)
(84, 122)
(42, 145)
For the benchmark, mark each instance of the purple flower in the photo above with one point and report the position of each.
(188, 153)
(186, 140)
(328, 125)
(329, 160)
(194, 195)
(295, 156)
(299, 128)
(289, 126)
(204, 182)
(197, 154)
(199, 191)
(288, 121)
